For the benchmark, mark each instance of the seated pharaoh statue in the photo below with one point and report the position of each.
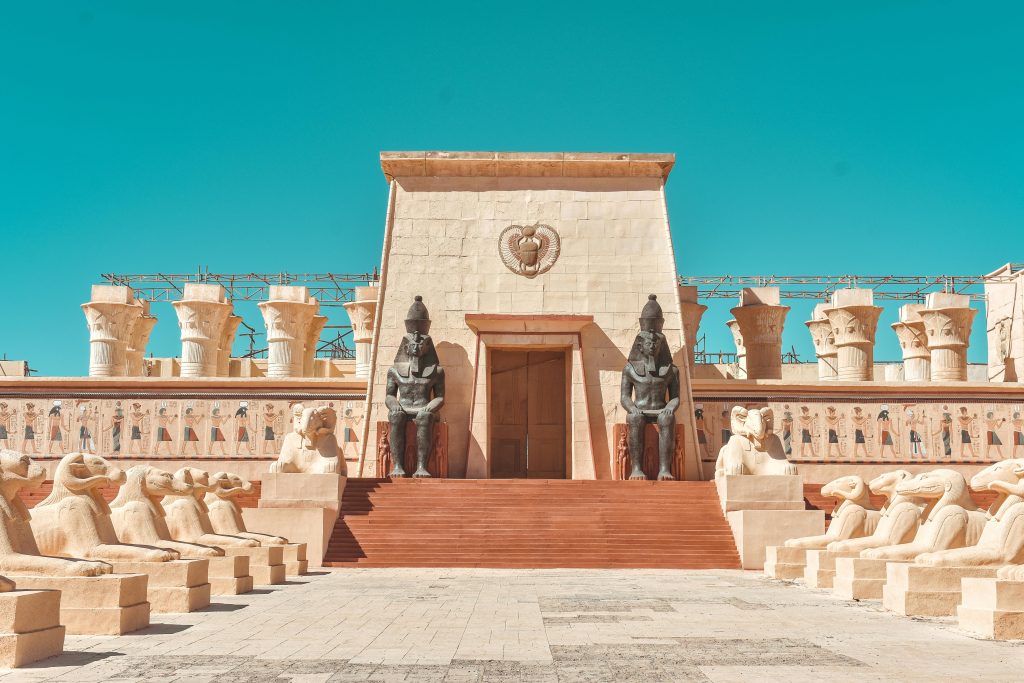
(188, 518)
(650, 392)
(74, 520)
(139, 517)
(226, 515)
(754, 447)
(415, 391)
(951, 519)
(855, 516)
(899, 520)
(1002, 538)
(311, 447)
(19, 554)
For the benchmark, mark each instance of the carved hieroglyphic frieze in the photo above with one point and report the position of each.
(529, 250)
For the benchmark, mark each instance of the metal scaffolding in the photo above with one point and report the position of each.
(330, 289)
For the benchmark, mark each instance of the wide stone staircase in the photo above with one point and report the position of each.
(539, 523)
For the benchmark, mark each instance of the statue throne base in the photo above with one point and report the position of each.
(650, 462)
(437, 461)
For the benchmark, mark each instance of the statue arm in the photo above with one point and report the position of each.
(391, 396)
(626, 393)
(673, 392)
(438, 400)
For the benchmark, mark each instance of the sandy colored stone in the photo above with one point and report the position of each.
(755, 530)
(97, 605)
(760, 492)
(914, 590)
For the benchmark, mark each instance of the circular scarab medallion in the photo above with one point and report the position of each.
(529, 250)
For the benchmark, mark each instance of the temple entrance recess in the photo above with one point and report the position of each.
(529, 395)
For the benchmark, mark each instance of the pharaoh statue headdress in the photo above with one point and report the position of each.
(652, 321)
(417, 325)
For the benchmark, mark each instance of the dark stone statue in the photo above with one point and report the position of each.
(415, 391)
(650, 392)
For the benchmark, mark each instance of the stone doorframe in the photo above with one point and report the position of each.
(523, 332)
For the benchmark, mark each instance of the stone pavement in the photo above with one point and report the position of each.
(534, 625)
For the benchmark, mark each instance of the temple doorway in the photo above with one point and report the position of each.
(528, 407)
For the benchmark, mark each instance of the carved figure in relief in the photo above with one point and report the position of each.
(992, 440)
(164, 422)
(1002, 538)
(787, 431)
(650, 392)
(753, 447)
(268, 443)
(312, 446)
(854, 517)
(415, 391)
(188, 517)
(915, 423)
(808, 430)
(19, 553)
(226, 514)
(888, 436)
(1017, 423)
(724, 430)
(945, 433)
(138, 516)
(243, 430)
(898, 520)
(968, 432)
(861, 433)
(7, 417)
(137, 419)
(115, 428)
(951, 519)
(28, 442)
(702, 433)
(87, 420)
(351, 438)
(56, 428)
(833, 425)
(217, 439)
(74, 520)
(190, 431)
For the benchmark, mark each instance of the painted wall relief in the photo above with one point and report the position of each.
(878, 431)
(250, 428)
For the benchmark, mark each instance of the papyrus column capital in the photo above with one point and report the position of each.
(202, 312)
(111, 314)
(361, 313)
(287, 314)
(854, 321)
(760, 319)
(824, 344)
(691, 312)
(910, 331)
(947, 324)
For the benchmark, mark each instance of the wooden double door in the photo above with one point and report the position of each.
(528, 397)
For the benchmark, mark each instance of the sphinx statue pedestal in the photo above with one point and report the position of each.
(860, 578)
(229, 575)
(30, 627)
(992, 608)
(266, 563)
(766, 510)
(915, 590)
(302, 508)
(111, 604)
(820, 570)
(174, 587)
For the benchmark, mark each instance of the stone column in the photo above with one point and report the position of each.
(227, 340)
(917, 363)
(287, 314)
(692, 313)
(361, 313)
(760, 319)
(316, 326)
(854, 319)
(824, 344)
(947, 323)
(202, 312)
(136, 351)
(111, 314)
(741, 350)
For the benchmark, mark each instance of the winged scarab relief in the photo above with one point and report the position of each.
(529, 250)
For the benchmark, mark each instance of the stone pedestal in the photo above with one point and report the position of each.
(820, 570)
(858, 578)
(692, 313)
(112, 604)
(914, 590)
(785, 563)
(287, 314)
(760, 319)
(917, 363)
(229, 575)
(947, 323)
(824, 344)
(202, 313)
(111, 315)
(266, 563)
(176, 586)
(761, 492)
(30, 627)
(992, 608)
(302, 508)
(361, 314)
(295, 562)
(755, 530)
(854, 320)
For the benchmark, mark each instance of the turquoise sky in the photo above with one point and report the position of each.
(812, 137)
